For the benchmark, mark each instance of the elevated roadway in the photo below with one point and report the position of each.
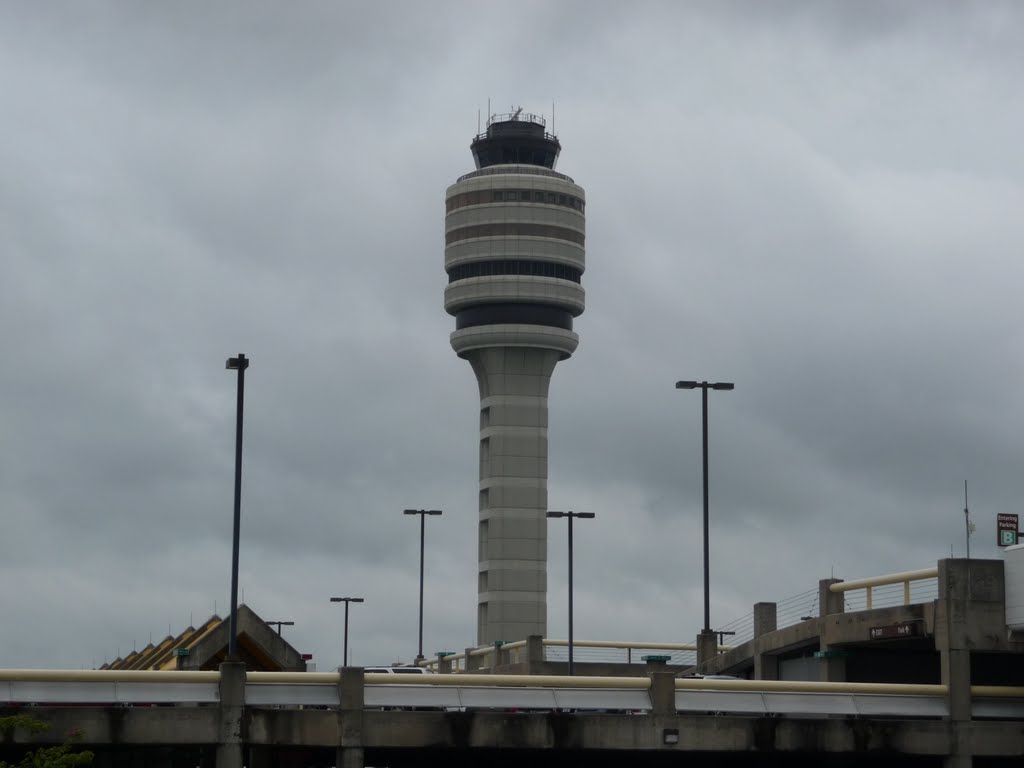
(350, 719)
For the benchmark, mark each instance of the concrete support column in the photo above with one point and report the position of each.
(498, 656)
(766, 666)
(765, 618)
(350, 718)
(707, 647)
(829, 601)
(534, 654)
(472, 662)
(831, 669)
(230, 737)
(970, 612)
(444, 666)
(663, 693)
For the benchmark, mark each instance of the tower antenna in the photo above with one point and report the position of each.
(967, 522)
(553, 118)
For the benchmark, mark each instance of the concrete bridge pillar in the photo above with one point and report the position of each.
(831, 669)
(350, 718)
(829, 601)
(766, 666)
(663, 693)
(971, 608)
(230, 738)
(707, 647)
(534, 654)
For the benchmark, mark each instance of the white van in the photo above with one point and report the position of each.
(397, 671)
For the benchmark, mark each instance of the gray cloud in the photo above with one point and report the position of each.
(818, 203)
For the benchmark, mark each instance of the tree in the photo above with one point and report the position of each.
(60, 756)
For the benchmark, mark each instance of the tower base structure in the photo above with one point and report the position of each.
(513, 379)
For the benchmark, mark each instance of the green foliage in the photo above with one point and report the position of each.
(45, 757)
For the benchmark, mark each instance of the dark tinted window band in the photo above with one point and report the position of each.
(480, 197)
(515, 267)
(505, 229)
(516, 314)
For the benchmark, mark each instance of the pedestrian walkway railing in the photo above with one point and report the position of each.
(894, 589)
(557, 650)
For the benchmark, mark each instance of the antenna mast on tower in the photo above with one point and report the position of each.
(967, 522)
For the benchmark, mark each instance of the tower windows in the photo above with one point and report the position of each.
(482, 197)
(514, 229)
(515, 267)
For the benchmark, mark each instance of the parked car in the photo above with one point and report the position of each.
(397, 670)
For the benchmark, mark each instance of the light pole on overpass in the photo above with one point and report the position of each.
(570, 515)
(239, 364)
(346, 601)
(704, 386)
(423, 516)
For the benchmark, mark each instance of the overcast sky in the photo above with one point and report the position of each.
(821, 202)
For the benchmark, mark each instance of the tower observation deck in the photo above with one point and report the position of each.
(514, 254)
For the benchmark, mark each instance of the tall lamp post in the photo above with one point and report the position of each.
(346, 601)
(423, 516)
(570, 515)
(239, 364)
(704, 386)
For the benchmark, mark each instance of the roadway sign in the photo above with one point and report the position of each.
(1006, 528)
(904, 629)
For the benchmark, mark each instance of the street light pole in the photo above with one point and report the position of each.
(346, 601)
(423, 516)
(704, 387)
(280, 624)
(239, 364)
(570, 515)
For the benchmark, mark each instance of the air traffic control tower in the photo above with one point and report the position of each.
(514, 235)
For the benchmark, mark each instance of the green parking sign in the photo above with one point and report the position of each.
(1007, 525)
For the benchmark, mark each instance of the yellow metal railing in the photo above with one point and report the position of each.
(516, 649)
(905, 578)
(485, 680)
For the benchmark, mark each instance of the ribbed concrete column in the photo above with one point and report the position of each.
(230, 740)
(513, 490)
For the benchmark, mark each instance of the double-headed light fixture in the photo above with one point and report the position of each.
(423, 516)
(570, 515)
(346, 601)
(704, 386)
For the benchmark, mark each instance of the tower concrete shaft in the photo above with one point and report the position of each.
(514, 254)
